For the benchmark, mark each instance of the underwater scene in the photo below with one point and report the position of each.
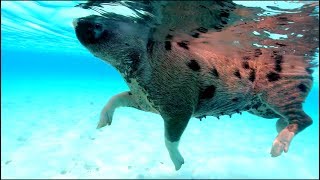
(56, 80)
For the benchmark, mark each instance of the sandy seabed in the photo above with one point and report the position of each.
(48, 130)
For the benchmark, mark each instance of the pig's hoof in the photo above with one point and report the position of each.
(177, 160)
(281, 143)
(105, 119)
(174, 153)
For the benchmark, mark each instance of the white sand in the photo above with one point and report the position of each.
(48, 131)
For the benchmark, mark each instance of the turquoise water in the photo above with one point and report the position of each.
(52, 91)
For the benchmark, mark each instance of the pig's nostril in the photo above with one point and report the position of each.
(98, 26)
(89, 32)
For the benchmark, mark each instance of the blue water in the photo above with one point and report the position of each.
(52, 91)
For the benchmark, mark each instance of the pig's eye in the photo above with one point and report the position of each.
(98, 26)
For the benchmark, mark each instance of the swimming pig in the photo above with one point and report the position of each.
(196, 59)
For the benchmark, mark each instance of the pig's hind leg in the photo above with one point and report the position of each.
(287, 103)
(297, 121)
